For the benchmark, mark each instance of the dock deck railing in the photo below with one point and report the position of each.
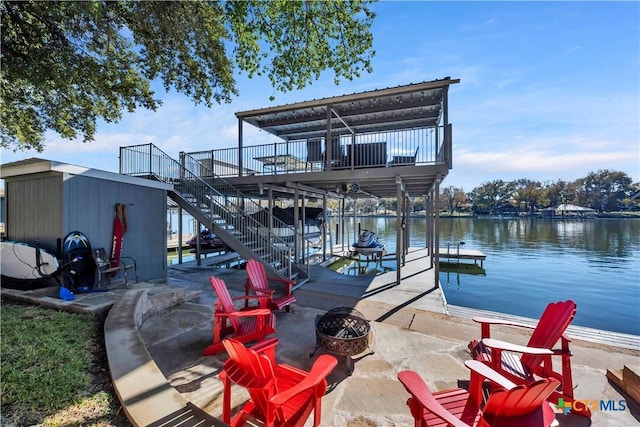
(411, 147)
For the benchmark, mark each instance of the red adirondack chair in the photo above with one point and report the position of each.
(525, 364)
(280, 395)
(246, 325)
(258, 283)
(509, 406)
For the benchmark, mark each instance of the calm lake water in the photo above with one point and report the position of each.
(531, 262)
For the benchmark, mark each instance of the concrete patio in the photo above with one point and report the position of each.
(410, 329)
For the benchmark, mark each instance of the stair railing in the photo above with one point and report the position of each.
(222, 186)
(147, 160)
(203, 169)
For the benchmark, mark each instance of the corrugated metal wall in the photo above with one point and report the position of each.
(34, 209)
(48, 206)
(90, 204)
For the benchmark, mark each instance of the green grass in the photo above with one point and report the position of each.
(51, 368)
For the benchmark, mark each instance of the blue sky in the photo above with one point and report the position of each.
(548, 91)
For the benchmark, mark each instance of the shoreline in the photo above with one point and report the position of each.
(614, 215)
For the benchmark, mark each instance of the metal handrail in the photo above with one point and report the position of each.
(149, 161)
(222, 186)
(419, 146)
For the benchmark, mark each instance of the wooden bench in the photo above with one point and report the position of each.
(626, 380)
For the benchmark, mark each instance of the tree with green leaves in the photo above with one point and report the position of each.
(66, 64)
(604, 190)
(419, 204)
(452, 199)
(389, 204)
(528, 194)
(559, 192)
(490, 196)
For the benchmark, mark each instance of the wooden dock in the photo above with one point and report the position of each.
(447, 254)
(172, 242)
(225, 258)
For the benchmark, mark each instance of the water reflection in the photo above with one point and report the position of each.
(453, 271)
(362, 266)
(531, 262)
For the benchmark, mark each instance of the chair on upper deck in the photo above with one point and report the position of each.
(246, 325)
(367, 154)
(509, 406)
(280, 394)
(336, 157)
(314, 153)
(525, 364)
(258, 283)
(404, 160)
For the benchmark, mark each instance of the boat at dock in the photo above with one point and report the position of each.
(208, 242)
(310, 224)
(368, 245)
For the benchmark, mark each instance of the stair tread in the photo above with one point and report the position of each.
(203, 202)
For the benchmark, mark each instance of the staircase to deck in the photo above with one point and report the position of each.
(220, 207)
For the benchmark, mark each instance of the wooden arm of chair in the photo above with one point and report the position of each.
(565, 340)
(321, 368)
(268, 292)
(486, 372)
(479, 372)
(486, 322)
(265, 345)
(247, 297)
(247, 313)
(288, 283)
(507, 346)
(561, 352)
(417, 388)
(277, 279)
(260, 294)
(249, 287)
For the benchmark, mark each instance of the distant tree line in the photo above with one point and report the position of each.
(604, 191)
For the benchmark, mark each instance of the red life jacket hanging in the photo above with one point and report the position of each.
(120, 226)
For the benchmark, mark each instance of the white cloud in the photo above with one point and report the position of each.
(541, 161)
(473, 167)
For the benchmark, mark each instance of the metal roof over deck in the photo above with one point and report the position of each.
(418, 105)
(408, 107)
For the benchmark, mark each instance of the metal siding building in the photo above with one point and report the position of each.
(46, 200)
